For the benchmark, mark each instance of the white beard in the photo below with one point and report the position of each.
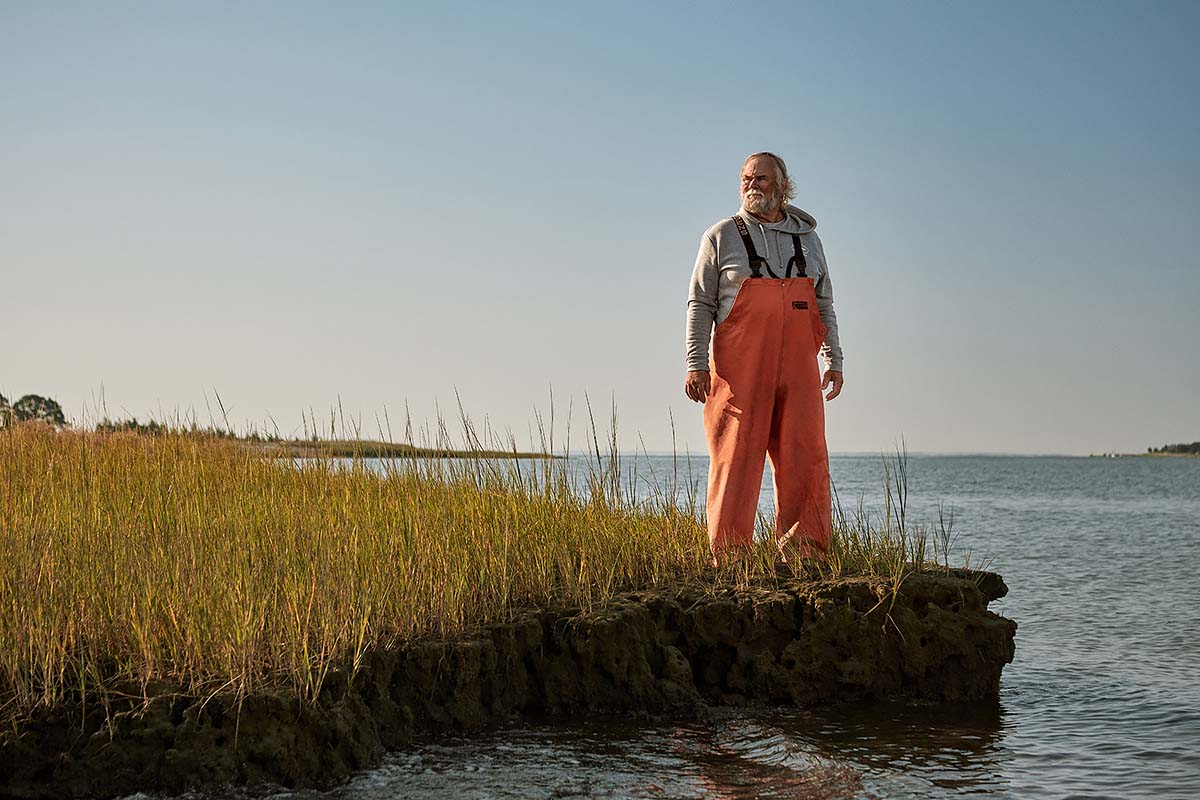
(759, 203)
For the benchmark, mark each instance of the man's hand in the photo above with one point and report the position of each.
(697, 385)
(834, 377)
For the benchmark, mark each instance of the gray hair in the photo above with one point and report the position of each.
(781, 173)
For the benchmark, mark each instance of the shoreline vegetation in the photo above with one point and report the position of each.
(314, 446)
(368, 448)
(137, 567)
(1192, 449)
(1144, 455)
(1167, 450)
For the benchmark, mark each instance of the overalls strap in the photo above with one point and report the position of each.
(755, 259)
(797, 259)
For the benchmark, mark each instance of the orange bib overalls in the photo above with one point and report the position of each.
(765, 400)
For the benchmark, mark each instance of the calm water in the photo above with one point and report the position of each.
(1103, 699)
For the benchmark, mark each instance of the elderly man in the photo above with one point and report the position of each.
(761, 279)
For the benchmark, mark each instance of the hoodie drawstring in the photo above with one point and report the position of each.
(766, 244)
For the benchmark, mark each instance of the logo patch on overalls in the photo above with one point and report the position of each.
(801, 304)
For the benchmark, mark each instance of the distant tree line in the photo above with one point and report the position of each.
(34, 407)
(1178, 449)
(150, 428)
(153, 428)
(31, 407)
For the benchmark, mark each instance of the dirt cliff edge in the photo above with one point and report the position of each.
(656, 652)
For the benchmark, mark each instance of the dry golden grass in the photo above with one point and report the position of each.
(128, 558)
(180, 557)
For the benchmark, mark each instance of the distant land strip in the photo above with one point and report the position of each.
(365, 448)
(1170, 450)
(1192, 449)
(309, 448)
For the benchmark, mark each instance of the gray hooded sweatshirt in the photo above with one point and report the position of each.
(722, 264)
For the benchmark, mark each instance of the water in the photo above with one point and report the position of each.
(1101, 701)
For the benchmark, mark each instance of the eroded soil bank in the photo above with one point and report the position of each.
(656, 652)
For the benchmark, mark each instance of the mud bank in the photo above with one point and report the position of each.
(646, 653)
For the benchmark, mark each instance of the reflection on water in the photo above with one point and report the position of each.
(949, 747)
(737, 757)
(833, 752)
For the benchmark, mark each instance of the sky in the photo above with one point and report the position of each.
(363, 211)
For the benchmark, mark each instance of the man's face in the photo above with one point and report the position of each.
(761, 192)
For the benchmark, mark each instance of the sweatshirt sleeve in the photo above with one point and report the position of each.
(831, 350)
(702, 304)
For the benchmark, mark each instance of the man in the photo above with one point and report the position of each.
(761, 279)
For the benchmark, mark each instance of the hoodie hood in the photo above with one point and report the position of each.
(795, 220)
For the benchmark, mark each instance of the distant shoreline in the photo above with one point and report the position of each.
(364, 448)
(1144, 455)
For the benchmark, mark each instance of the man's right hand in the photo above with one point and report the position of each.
(697, 385)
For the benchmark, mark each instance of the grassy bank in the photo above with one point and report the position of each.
(132, 559)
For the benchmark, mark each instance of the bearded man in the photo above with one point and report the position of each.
(761, 280)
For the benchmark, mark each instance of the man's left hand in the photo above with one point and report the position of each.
(832, 377)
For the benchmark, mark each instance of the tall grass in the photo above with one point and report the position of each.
(129, 560)
(126, 557)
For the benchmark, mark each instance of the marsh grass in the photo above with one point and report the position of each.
(887, 543)
(138, 561)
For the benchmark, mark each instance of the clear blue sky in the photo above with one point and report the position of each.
(297, 204)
